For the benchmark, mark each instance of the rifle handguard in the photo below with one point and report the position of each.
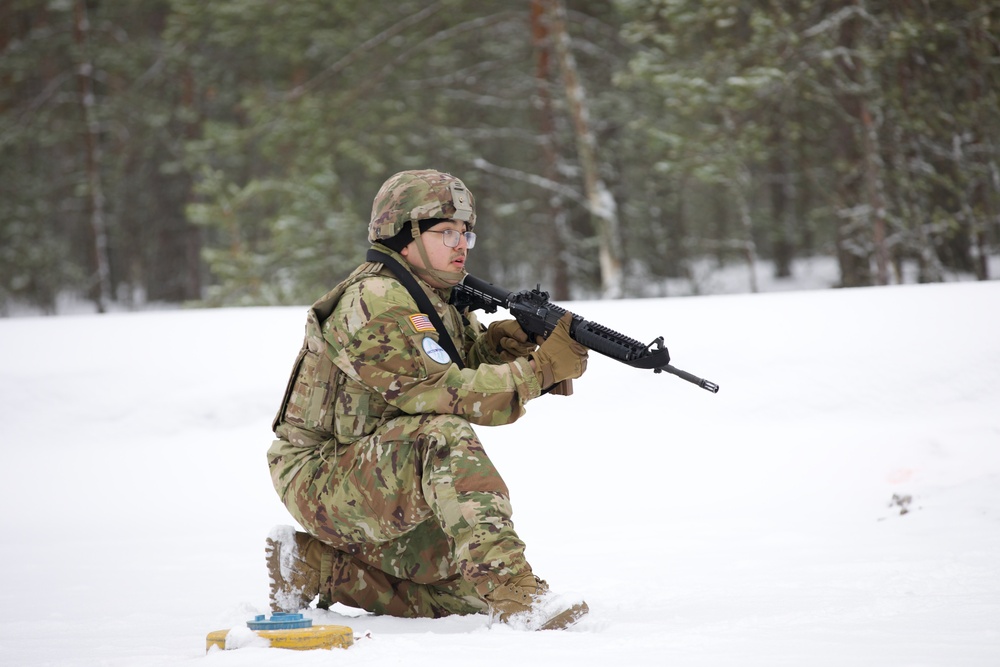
(618, 346)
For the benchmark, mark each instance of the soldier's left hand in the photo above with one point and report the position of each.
(509, 340)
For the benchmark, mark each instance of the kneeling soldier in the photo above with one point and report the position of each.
(375, 453)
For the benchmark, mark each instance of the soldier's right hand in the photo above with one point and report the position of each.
(559, 357)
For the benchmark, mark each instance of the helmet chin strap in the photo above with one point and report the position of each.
(446, 277)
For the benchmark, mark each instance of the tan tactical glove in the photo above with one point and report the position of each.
(559, 357)
(508, 340)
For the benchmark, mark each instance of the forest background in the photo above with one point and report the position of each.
(227, 152)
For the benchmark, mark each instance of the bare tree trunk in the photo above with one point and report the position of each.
(739, 187)
(981, 198)
(781, 232)
(557, 235)
(602, 206)
(983, 272)
(854, 237)
(101, 289)
(874, 191)
(192, 234)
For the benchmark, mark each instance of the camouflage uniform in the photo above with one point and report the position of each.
(377, 458)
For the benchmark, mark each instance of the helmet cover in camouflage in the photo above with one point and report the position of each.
(419, 195)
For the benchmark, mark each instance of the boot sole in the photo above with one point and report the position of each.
(283, 596)
(566, 618)
(272, 554)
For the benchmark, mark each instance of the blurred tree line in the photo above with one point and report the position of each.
(227, 152)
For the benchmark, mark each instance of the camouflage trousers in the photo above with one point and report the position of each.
(417, 517)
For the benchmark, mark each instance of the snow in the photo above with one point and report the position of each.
(752, 527)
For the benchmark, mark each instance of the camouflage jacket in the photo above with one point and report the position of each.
(369, 355)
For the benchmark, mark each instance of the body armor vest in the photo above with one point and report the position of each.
(306, 415)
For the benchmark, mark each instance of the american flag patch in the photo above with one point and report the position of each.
(421, 322)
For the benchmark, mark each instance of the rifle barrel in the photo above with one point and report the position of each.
(694, 379)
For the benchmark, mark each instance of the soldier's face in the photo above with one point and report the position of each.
(442, 258)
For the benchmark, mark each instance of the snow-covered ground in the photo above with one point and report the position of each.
(752, 527)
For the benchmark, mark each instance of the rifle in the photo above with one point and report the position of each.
(538, 317)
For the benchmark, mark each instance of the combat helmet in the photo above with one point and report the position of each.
(412, 196)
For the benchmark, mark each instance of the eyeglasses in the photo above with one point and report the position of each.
(452, 237)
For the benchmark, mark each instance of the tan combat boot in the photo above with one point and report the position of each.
(293, 565)
(525, 602)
